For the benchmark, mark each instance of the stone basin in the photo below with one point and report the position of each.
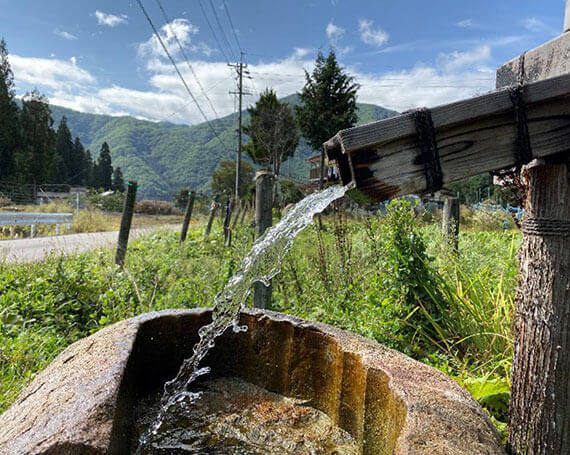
(82, 403)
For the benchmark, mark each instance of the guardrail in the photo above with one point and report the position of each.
(32, 219)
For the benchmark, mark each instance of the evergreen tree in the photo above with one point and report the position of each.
(118, 181)
(328, 102)
(81, 165)
(90, 168)
(9, 121)
(272, 131)
(64, 153)
(37, 160)
(103, 170)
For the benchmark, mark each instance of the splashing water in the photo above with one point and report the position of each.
(261, 264)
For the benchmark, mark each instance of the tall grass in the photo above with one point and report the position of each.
(387, 278)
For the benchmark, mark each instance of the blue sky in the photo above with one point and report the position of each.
(100, 56)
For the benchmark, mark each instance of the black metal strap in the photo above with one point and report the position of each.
(521, 73)
(429, 152)
(523, 150)
(544, 227)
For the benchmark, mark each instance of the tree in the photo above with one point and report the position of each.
(272, 131)
(37, 160)
(102, 176)
(64, 153)
(224, 178)
(328, 102)
(181, 197)
(81, 164)
(9, 121)
(118, 181)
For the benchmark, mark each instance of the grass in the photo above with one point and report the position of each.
(387, 279)
(88, 219)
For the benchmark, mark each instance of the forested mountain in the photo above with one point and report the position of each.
(164, 157)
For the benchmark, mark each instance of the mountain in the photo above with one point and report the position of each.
(163, 157)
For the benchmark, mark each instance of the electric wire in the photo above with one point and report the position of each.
(232, 25)
(213, 32)
(223, 33)
(169, 25)
(159, 38)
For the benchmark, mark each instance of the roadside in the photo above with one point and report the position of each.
(37, 249)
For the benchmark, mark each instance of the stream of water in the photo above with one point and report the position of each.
(261, 264)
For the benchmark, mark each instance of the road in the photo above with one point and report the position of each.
(37, 249)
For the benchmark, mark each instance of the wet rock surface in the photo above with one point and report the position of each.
(234, 417)
(84, 401)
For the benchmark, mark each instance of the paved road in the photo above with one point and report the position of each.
(37, 249)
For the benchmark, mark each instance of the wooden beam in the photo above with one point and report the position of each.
(474, 136)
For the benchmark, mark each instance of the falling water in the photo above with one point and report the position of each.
(261, 264)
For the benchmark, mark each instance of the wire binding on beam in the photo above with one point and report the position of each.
(429, 151)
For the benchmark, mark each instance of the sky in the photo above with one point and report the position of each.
(101, 56)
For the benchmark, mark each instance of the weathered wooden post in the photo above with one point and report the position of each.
(540, 396)
(213, 208)
(227, 220)
(450, 223)
(187, 215)
(243, 212)
(263, 220)
(238, 207)
(126, 219)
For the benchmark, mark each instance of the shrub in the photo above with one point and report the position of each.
(156, 208)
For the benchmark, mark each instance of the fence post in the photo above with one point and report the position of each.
(263, 220)
(450, 223)
(187, 215)
(238, 207)
(213, 208)
(227, 220)
(126, 220)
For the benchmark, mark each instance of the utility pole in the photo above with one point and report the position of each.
(240, 67)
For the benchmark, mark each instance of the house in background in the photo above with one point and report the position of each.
(331, 174)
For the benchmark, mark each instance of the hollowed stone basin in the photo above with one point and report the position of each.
(83, 402)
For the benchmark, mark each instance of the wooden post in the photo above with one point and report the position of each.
(213, 208)
(238, 207)
(126, 220)
(227, 220)
(540, 394)
(243, 213)
(187, 215)
(263, 220)
(450, 223)
(567, 17)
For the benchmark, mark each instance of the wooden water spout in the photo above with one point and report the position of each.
(525, 124)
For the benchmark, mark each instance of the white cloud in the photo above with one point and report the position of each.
(465, 23)
(52, 73)
(301, 52)
(178, 28)
(459, 60)
(110, 20)
(334, 32)
(535, 25)
(453, 77)
(370, 36)
(64, 35)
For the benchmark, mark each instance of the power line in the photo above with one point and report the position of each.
(232, 25)
(158, 37)
(213, 32)
(168, 23)
(221, 28)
